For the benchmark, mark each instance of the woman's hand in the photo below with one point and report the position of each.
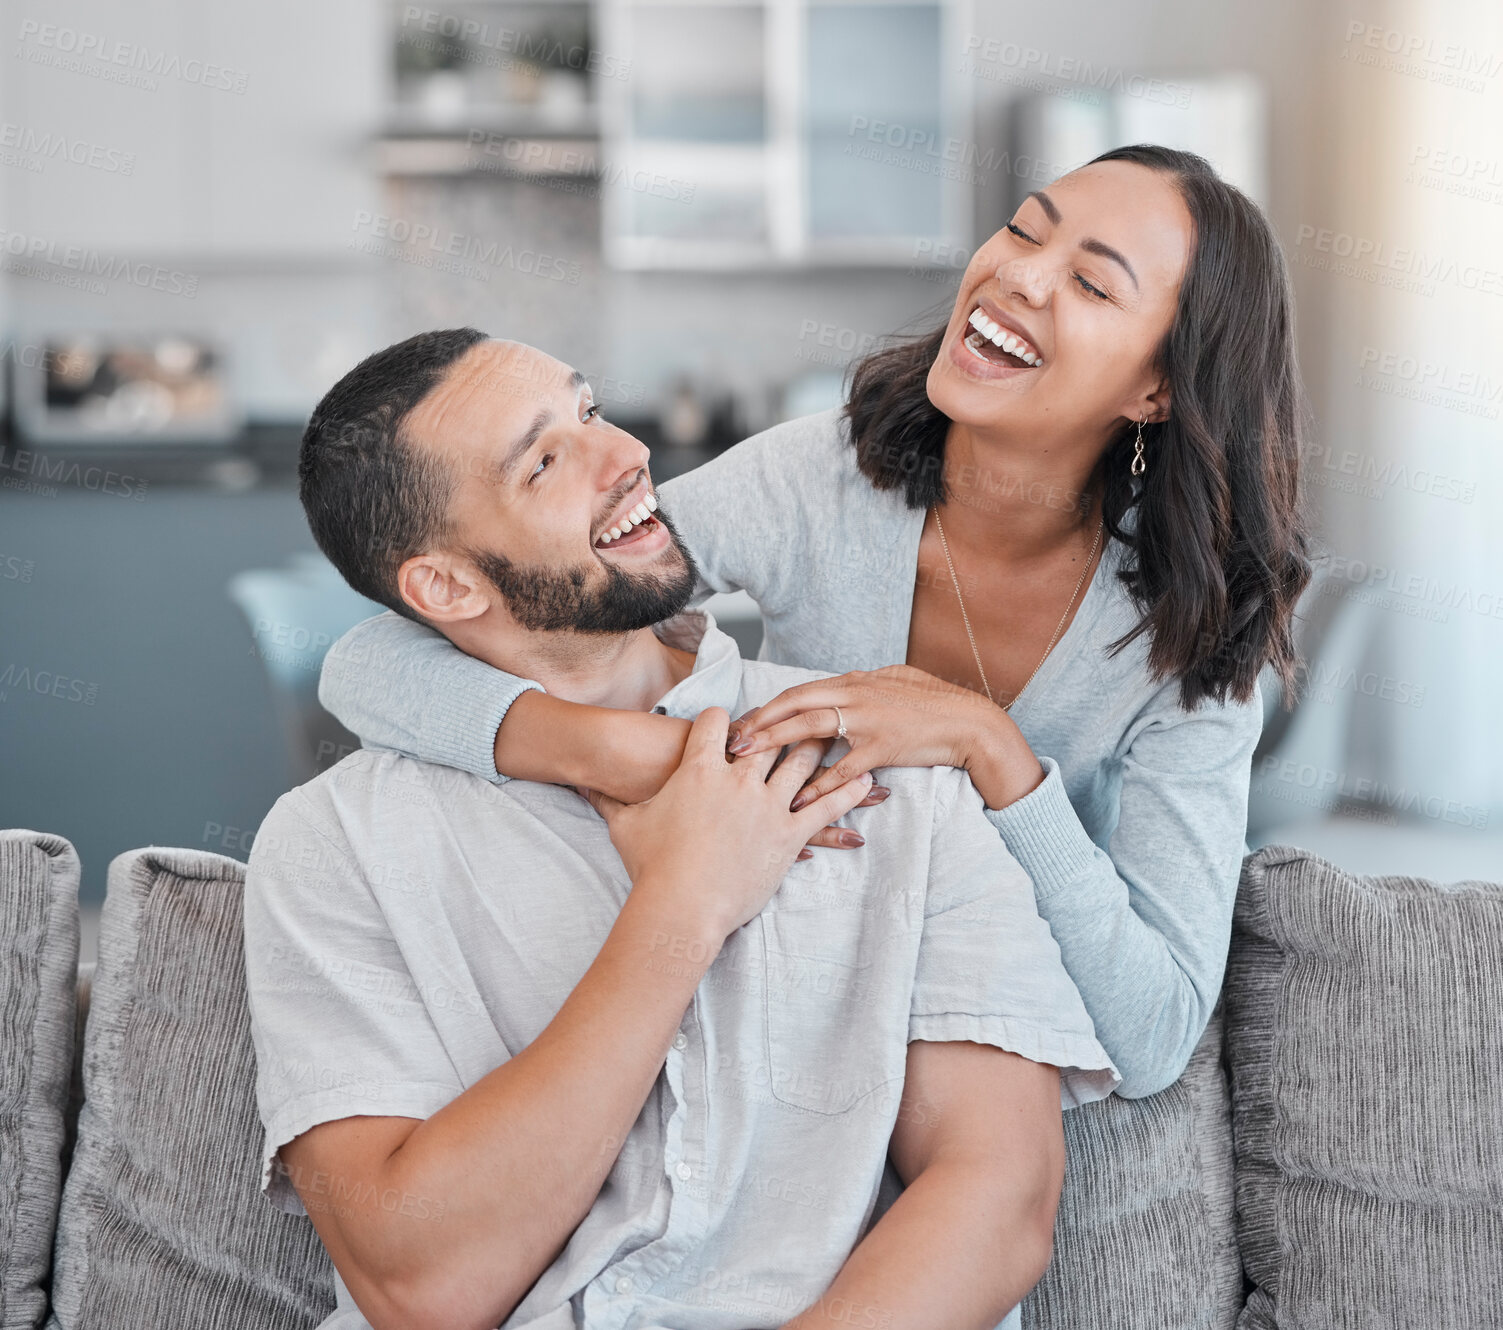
(720, 835)
(897, 716)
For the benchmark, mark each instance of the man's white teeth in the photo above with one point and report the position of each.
(635, 517)
(999, 336)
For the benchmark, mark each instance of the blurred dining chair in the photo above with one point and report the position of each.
(1333, 633)
(295, 614)
(1305, 789)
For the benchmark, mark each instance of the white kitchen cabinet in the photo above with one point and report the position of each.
(178, 104)
(784, 133)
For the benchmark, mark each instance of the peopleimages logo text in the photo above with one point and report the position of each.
(1376, 254)
(91, 263)
(50, 145)
(159, 64)
(527, 46)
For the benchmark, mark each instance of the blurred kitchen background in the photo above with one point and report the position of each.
(209, 212)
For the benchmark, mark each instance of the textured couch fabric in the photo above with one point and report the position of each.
(1365, 1037)
(162, 1222)
(38, 965)
(1146, 1234)
(1361, 1024)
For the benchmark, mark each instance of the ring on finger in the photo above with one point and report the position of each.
(839, 723)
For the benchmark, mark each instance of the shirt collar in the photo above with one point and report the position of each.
(715, 680)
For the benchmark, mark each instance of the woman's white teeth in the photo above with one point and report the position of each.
(1000, 337)
(635, 517)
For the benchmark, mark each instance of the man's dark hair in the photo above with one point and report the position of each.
(371, 498)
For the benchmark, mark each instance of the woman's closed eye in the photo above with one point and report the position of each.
(1085, 285)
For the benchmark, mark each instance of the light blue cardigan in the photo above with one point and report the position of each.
(1135, 838)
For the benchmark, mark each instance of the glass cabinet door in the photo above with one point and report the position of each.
(757, 133)
(697, 73)
(687, 181)
(877, 138)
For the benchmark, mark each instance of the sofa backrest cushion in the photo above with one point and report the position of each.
(1145, 1236)
(1365, 1041)
(38, 962)
(162, 1219)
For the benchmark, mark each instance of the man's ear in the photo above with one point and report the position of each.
(442, 588)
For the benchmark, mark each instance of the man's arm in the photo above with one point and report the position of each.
(980, 1146)
(515, 1162)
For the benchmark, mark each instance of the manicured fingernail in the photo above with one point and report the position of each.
(799, 800)
(805, 853)
(852, 839)
(877, 793)
(740, 747)
(731, 737)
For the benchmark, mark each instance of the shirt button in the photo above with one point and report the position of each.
(684, 1172)
(623, 1285)
(681, 1041)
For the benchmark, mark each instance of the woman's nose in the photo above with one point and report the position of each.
(1032, 278)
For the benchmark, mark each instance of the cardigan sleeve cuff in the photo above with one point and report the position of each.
(1044, 834)
(465, 723)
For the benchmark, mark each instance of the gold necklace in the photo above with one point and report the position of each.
(966, 619)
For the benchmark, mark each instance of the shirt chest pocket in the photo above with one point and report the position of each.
(836, 1008)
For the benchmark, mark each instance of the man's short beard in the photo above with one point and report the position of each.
(548, 600)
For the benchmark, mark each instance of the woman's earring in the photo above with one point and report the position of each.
(1138, 464)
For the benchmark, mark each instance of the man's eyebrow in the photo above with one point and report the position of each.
(519, 447)
(1089, 244)
(540, 422)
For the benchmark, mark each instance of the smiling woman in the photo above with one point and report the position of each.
(1170, 348)
(1060, 562)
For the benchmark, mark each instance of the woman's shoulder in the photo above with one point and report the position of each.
(802, 457)
(1114, 612)
(824, 434)
(1124, 673)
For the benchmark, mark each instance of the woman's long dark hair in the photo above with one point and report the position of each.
(1219, 550)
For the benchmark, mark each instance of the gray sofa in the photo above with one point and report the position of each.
(1332, 1157)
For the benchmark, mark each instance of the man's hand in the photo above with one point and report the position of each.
(716, 840)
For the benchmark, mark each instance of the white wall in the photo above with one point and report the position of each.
(247, 196)
(1422, 538)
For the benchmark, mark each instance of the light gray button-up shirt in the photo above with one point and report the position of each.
(408, 928)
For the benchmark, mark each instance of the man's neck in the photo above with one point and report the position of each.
(628, 671)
